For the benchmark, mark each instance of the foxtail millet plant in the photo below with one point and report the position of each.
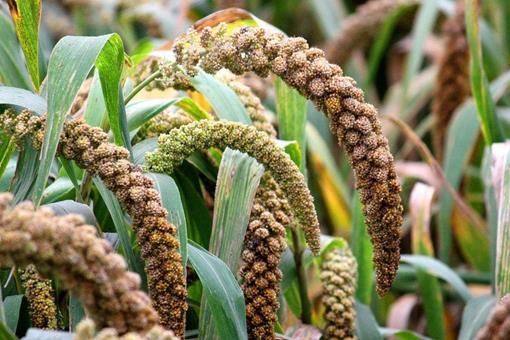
(90, 149)
(264, 244)
(180, 143)
(338, 276)
(353, 121)
(86, 330)
(40, 298)
(359, 28)
(497, 326)
(452, 80)
(264, 240)
(68, 248)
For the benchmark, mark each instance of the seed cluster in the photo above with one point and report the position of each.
(86, 330)
(497, 326)
(264, 244)
(353, 121)
(338, 276)
(90, 149)
(358, 29)
(180, 143)
(39, 293)
(68, 248)
(163, 123)
(452, 82)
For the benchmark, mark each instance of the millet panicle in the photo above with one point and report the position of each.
(353, 121)
(68, 248)
(89, 148)
(338, 276)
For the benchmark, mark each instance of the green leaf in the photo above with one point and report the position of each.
(7, 148)
(400, 334)
(12, 68)
(224, 296)
(501, 179)
(198, 217)
(430, 291)
(60, 189)
(330, 14)
(96, 107)
(381, 42)
(223, 99)
(366, 325)
(479, 83)
(422, 28)
(134, 262)
(438, 269)
(475, 315)
(140, 112)
(291, 110)
(23, 98)
(6, 333)
(26, 15)
(461, 137)
(171, 199)
(76, 312)
(238, 178)
(71, 207)
(12, 307)
(109, 63)
(26, 172)
(362, 251)
(188, 105)
(140, 149)
(491, 210)
(292, 149)
(70, 63)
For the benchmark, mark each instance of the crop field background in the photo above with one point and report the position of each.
(254, 169)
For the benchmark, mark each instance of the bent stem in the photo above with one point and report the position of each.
(141, 86)
(301, 275)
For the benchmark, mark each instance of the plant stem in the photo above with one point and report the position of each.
(140, 86)
(301, 275)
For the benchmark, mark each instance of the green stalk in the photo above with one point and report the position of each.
(301, 276)
(141, 86)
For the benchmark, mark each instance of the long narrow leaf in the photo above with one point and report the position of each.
(26, 15)
(12, 68)
(479, 83)
(113, 205)
(70, 63)
(238, 179)
(222, 98)
(462, 133)
(22, 98)
(428, 285)
(224, 296)
(291, 110)
(362, 250)
(501, 178)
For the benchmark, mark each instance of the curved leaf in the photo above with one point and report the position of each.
(223, 99)
(70, 63)
(438, 269)
(22, 98)
(224, 296)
